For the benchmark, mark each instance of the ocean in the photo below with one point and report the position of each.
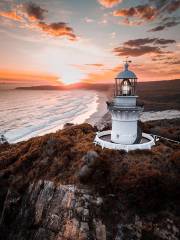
(29, 113)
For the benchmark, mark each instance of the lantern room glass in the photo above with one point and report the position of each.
(125, 87)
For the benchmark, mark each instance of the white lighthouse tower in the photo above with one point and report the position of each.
(124, 110)
(126, 133)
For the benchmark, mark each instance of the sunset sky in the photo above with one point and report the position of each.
(66, 41)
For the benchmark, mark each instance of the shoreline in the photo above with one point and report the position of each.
(159, 115)
(101, 109)
(92, 109)
(97, 114)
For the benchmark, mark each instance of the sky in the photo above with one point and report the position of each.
(66, 41)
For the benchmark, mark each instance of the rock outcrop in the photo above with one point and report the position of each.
(46, 211)
(65, 212)
(90, 161)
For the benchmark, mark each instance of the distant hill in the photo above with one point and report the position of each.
(87, 86)
(41, 87)
(160, 95)
(105, 86)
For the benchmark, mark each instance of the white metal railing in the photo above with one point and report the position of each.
(118, 146)
(168, 139)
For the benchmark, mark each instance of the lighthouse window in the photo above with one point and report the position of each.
(126, 87)
(117, 135)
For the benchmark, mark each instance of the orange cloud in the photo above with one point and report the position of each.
(34, 12)
(144, 72)
(101, 77)
(95, 64)
(154, 71)
(140, 46)
(10, 76)
(109, 3)
(12, 15)
(144, 12)
(171, 59)
(137, 51)
(147, 12)
(59, 29)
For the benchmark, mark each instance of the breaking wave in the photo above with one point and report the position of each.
(26, 114)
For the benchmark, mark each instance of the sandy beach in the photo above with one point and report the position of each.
(100, 111)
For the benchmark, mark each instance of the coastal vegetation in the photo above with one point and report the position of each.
(131, 195)
(137, 176)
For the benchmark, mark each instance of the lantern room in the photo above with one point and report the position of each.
(125, 82)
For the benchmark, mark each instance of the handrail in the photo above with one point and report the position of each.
(171, 140)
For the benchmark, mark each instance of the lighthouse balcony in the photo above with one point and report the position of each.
(104, 140)
(119, 107)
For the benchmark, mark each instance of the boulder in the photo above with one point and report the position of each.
(91, 159)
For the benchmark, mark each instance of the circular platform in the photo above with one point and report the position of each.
(104, 140)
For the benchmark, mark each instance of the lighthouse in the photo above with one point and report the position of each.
(126, 133)
(124, 110)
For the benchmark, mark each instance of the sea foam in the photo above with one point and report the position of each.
(26, 114)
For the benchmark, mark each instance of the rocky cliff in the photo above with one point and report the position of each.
(46, 211)
(65, 212)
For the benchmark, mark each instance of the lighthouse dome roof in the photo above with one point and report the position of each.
(126, 73)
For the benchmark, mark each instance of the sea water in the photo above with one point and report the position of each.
(28, 113)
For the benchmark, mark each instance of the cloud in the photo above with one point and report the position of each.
(34, 12)
(59, 29)
(95, 64)
(30, 10)
(157, 29)
(147, 12)
(104, 21)
(88, 20)
(159, 3)
(113, 35)
(12, 15)
(142, 46)
(126, 21)
(160, 57)
(143, 12)
(172, 6)
(136, 51)
(165, 25)
(144, 41)
(103, 76)
(173, 59)
(109, 3)
(167, 6)
(31, 15)
(163, 41)
(148, 71)
(175, 62)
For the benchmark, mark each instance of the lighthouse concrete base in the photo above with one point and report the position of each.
(104, 140)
